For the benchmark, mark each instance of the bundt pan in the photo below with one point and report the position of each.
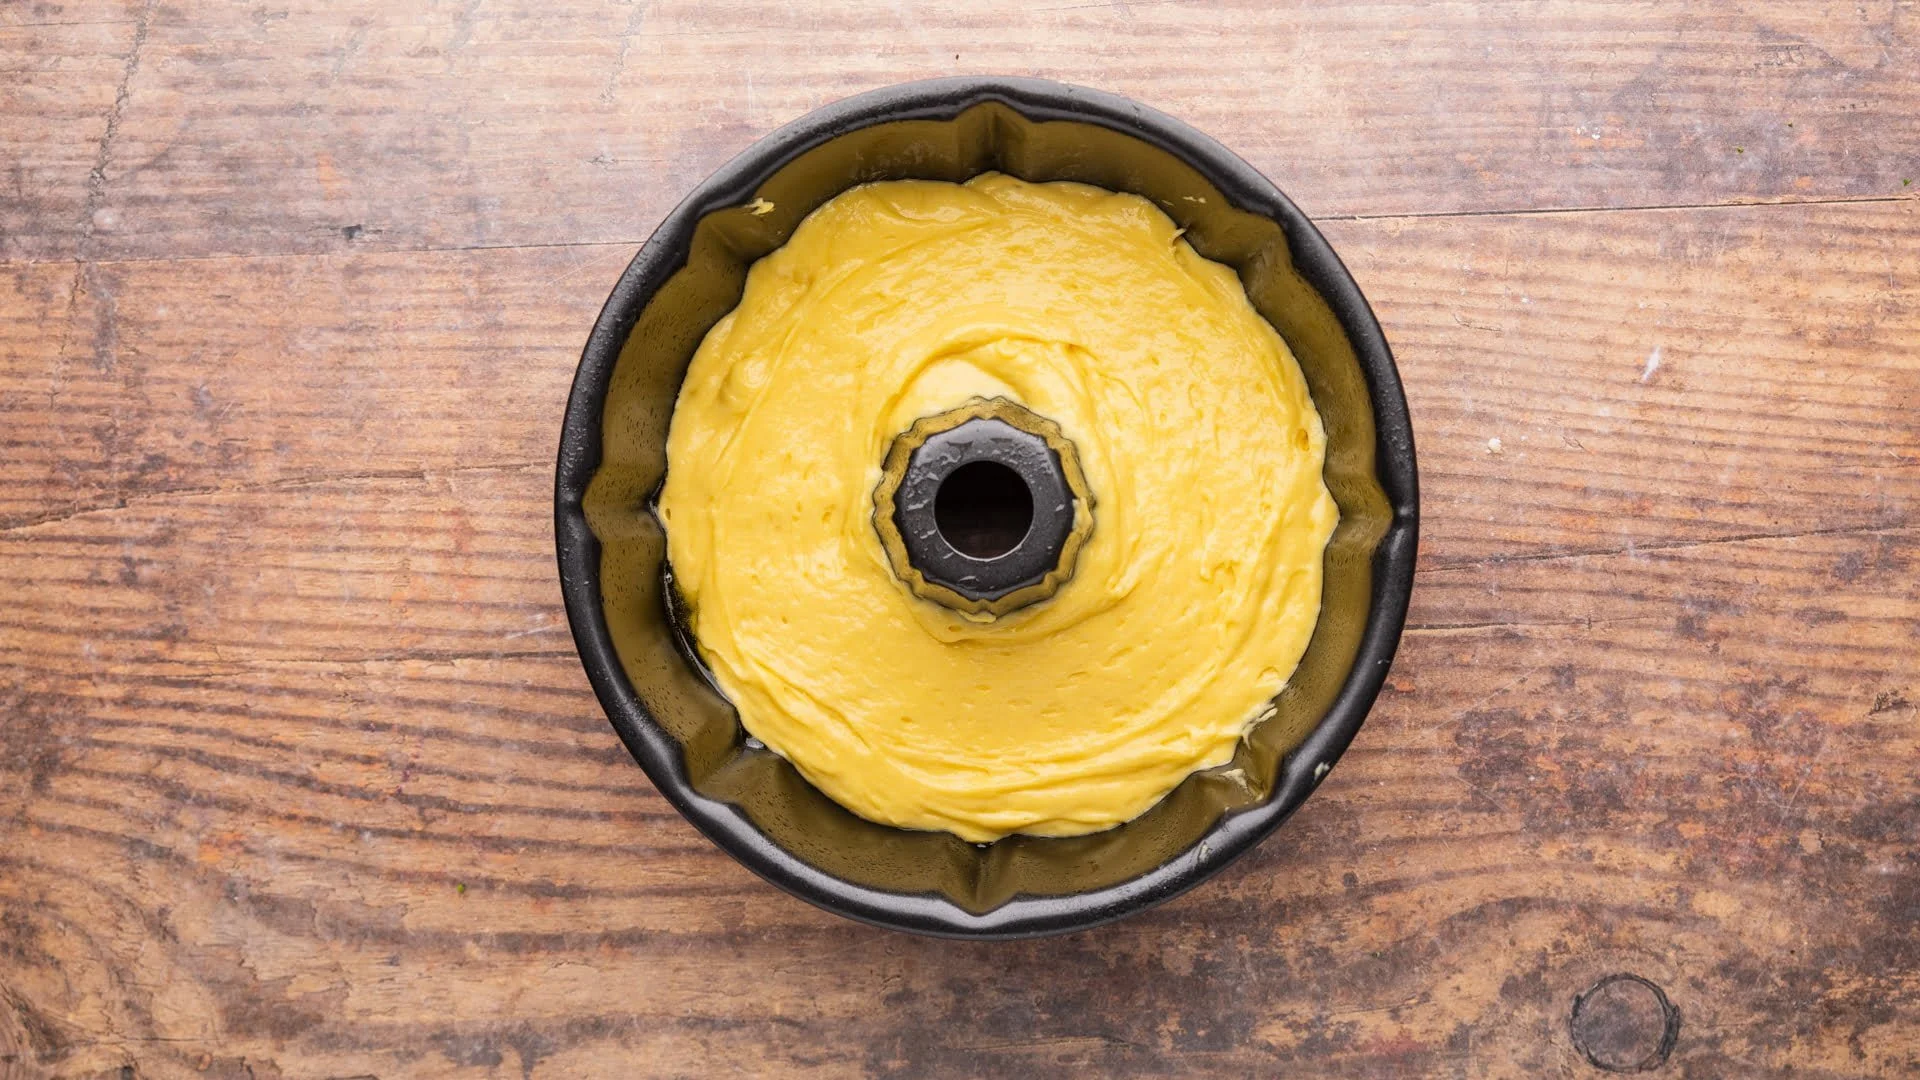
(612, 551)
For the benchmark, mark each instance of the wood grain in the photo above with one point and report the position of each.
(317, 125)
(300, 777)
(64, 73)
(1653, 377)
(186, 376)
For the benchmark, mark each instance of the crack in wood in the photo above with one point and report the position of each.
(1894, 525)
(292, 483)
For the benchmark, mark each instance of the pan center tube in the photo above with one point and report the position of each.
(984, 508)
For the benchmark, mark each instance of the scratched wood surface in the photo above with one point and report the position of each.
(299, 776)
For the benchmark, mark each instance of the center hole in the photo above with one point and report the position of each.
(983, 509)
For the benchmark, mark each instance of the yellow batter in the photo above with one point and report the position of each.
(1191, 602)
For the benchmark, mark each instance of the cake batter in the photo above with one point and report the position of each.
(1190, 604)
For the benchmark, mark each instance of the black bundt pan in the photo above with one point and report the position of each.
(612, 551)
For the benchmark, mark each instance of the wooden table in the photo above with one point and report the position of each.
(299, 775)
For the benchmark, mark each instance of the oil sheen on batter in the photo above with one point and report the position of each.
(1191, 603)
